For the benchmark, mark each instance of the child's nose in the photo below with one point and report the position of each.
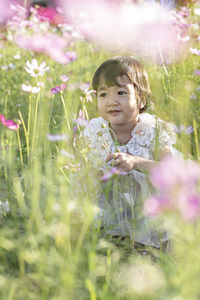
(112, 100)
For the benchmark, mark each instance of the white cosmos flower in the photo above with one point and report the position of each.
(197, 11)
(30, 89)
(34, 69)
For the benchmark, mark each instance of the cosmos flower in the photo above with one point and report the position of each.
(197, 72)
(5, 11)
(144, 28)
(87, 94)
(71, 56)
(81, 120)
(166, 3)
(64, 78)
(197, 11)
(195, 51)
(58, 89)
(113, 171)
(176, 182)
(56, 137)
(50, 44)
(48, 14)
(30, 89)
(183, 129)
(8, 123)
(34, 69)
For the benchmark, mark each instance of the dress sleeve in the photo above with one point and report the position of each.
(165, 135)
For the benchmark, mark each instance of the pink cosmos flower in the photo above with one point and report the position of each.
(174, 172)
(50, 44)
(8, 123)
(57, 137)
(64, 78)
(6, 11)
(176, 182)
(143, 28)
(113, 171)
(183, 129)
(71, 56)
(58, 89)
(49, 14)
(195, 51)
(197, 72)
(81, 120)
(75, 129)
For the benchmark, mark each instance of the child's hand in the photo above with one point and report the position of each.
(127, 162)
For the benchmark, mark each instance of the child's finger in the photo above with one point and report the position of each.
(116, 163)
(110, 156)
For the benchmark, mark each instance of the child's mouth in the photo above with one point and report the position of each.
(114, 112)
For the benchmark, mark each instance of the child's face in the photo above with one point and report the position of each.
(117, 104)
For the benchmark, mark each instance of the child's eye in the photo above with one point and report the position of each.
(102, 95)
(122, 93)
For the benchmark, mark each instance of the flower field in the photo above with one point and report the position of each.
(50, 245)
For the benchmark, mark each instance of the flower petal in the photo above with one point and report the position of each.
(29, 65)
(34, 63)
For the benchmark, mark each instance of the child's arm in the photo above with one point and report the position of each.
(128, 162)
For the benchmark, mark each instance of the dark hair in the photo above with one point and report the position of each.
(117, 66)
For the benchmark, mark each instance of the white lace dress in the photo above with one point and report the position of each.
(121, 198)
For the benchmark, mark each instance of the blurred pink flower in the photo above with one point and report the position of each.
(176, 182)
(155, 205)
(75, 129)
(195, 51)
(50, 44)
(64, 78)
(113, 171)
(144, 28)
(8, 9)
(58, 89)
(81, 120)
(174, 172)
(83, 86)
(8, 123)
(71, 56)
(49, 14)
(183, 129)
(197, 72)
(57, 137)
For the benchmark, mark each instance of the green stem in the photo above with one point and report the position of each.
(6, 100)
(25, 131)
(29, 117)
(66, 113)
(162, 60)
(4, 156)
(196, 138)
(85, 111)
(50, 114)
(20, 147)
(115, 138)
(35, 122)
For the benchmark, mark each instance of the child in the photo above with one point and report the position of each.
(130, 140)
